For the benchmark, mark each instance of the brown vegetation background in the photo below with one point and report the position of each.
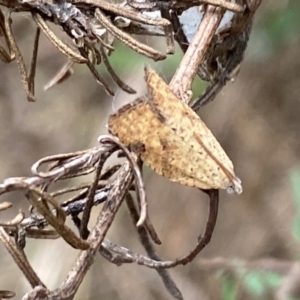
(256, 119)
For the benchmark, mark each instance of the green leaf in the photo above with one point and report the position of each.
(258, 283)
(229, 289)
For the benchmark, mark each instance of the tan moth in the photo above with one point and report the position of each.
(172, 140)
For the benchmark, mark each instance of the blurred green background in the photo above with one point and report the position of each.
(255, 249)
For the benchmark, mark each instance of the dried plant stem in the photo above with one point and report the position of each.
(113, 74)
(90, 200)
(127, 256)
(38, 198)
(185, 4)
(20, 259)
(84, 261)
(234, 7)
(65, 72)
(144, 239)
(62, 47)
(15, 49)
(181, 83)
(127, 39)
(32, 70)
(137, 174)
(96, 74)
(126, 13)
(121, 255)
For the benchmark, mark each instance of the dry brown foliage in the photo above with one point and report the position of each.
(214, 54)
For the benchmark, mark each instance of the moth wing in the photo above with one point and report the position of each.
(136, 123)
(204, 156)
(132, 122)
(178, 145)
(191, 165)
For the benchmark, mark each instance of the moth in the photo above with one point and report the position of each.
(171, 139)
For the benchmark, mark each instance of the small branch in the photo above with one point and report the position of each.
(130, 256)
(136, 171)
(121, 255)
(181, 83)
(90, 199)
(114, 200)
(144, 239)
(20, 259)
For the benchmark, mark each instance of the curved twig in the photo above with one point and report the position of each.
(136, 172)
(37, 198)
(20, 259)
(164, 274)
(15, 49)
(130, 256)
(127, 39)
(62, 47)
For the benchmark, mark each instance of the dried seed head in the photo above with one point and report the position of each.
(171, 139)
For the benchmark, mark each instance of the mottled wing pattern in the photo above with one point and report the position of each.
(136, 124)
(202, 157)
(177, 144)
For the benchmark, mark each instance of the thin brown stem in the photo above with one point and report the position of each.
(136, 172)
(32, 70)
(37, 198)
(62, 47)
(65, 72)
(181, 83)
(96, 74)
(90, 199)
(113, 74)
(20, 259)
(127, 39)
(22, 68)
(144, 239)
(115, 198)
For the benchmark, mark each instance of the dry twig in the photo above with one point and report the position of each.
(93, 25)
